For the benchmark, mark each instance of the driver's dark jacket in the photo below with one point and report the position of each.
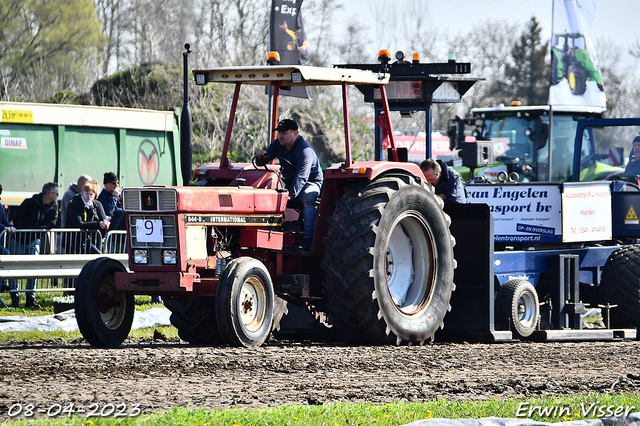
(304, 167)
(633, 168)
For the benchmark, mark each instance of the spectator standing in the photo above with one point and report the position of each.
(74, 189)
(7, 227)
(37, 212)
(110, 199)
(87, 213)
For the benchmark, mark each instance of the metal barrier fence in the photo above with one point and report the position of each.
(54, 257)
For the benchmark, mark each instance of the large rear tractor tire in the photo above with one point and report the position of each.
(577, 79)
(104, 315)
(195, 319)
(245, 303)
(620, 285)
(517, 307)
(388, 262)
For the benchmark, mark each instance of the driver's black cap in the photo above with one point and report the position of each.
(286, 124)
(636, 139)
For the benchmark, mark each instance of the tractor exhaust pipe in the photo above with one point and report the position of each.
(185, 123)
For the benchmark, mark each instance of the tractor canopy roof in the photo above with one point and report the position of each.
(289, 75)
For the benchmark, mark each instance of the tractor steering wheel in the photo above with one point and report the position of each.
(268, 158)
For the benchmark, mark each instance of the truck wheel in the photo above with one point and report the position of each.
(195, 318)
(104, 315)
(388, 262)
(244, 303)
(620, 285)
(577, 79)
(517, 305)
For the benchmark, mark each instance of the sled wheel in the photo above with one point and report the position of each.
(195, 318)
(388, 262)
(104, 315)
(244, 303)
(517, 306)
(620, 285)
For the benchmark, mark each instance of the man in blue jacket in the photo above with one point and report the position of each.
(302, 176)
(37, 212)
(447, 182)
(6, 226)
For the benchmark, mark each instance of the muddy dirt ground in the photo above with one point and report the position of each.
(159, 375)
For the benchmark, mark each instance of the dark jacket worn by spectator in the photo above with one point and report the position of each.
(4, 221)
(33, 213)
(79, 215)
(85, 217)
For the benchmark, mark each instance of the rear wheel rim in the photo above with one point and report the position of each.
(410, 263)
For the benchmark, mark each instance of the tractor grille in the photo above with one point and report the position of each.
(168, 229)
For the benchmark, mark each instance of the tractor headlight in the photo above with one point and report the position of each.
(169, 257)
(200, 80)
(141, 257)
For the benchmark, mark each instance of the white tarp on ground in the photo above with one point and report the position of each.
(632, 419)
(66, 321)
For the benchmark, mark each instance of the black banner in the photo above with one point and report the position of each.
(287, 37)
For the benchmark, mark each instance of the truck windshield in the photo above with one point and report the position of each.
(521, 143)
(607, 152)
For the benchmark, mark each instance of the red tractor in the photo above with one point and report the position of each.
(225, 256)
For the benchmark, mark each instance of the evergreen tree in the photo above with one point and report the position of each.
(527, 74)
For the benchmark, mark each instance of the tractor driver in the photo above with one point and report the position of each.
(302, 176)
(633, 168)
(446, 181)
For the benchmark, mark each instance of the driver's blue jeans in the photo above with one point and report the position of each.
(310, 192)
(32, 247)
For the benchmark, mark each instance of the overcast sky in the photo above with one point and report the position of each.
(618, 20)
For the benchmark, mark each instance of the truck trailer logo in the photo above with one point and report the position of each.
(148, 162)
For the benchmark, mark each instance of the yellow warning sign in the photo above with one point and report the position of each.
(10, 116)
(631, 218)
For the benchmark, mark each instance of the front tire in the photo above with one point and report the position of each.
(517, 305)
(245, 303)
(620, 285)
(388, 262)
(104, 315)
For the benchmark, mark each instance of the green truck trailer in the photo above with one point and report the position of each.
(47, 142)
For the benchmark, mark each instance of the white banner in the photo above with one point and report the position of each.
(575, 77)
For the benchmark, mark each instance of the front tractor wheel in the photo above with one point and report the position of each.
(104, 315)
(389, 262)
(245, 303)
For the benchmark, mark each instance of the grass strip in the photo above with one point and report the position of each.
(552, 409)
